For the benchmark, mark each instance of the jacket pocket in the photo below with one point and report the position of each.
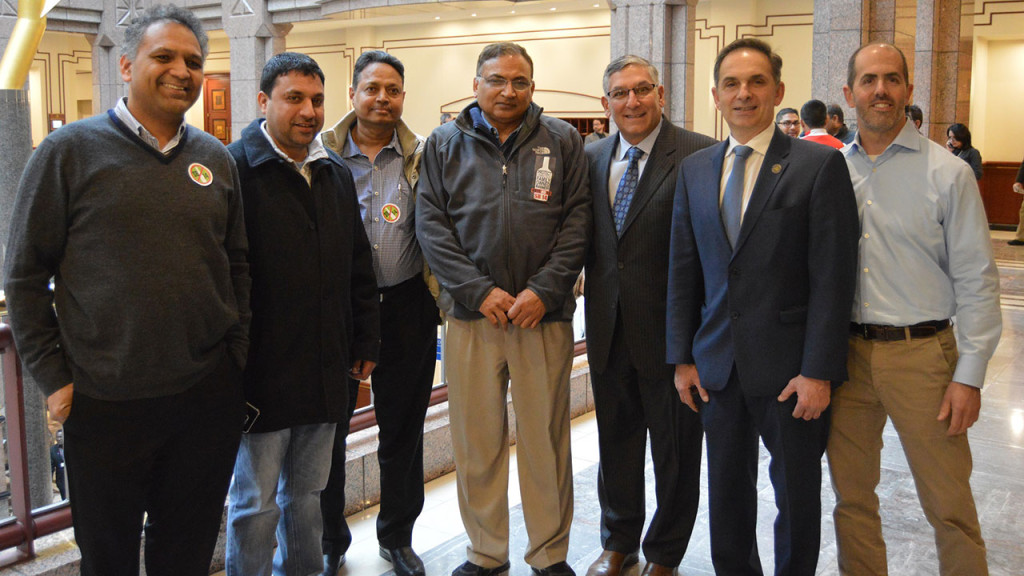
(793, 315)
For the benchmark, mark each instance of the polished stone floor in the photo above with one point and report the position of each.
(997, 442)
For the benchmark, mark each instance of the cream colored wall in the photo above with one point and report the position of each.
(787, 25)
(59, 78)
(569, 50)
(1000, 133)
(997, 82)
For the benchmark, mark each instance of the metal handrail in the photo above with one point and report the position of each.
(18, 533)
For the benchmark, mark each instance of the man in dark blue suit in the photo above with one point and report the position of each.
(627, 272)
(761, 276)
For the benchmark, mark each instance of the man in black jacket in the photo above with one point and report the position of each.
(315, 321)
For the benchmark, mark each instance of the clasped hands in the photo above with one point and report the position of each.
(524, 310)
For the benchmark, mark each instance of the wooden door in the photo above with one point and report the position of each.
(217, 106)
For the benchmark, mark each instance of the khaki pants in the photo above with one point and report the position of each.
(904, 381)
(479, 360)
(1020, 224)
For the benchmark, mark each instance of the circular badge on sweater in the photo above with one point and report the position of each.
(200, 174)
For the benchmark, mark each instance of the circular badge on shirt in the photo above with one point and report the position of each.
(200, 174)
(391, 213)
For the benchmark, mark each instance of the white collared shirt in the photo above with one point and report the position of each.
(620, 161)
(314, 151)
(124, 115)
(759, 144)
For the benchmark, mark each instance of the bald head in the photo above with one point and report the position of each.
(874, 47)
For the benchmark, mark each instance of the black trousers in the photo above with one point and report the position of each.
(628, 406)
(733, 421)
(169, 458)
(401, 390)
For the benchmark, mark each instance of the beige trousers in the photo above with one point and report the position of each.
(479, 361)
(904, 381)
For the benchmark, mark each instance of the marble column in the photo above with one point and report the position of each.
(254, 39)
(840, 27)
(661, 31)
(940, 74)
(107, 85)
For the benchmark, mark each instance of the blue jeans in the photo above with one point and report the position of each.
(277, 484)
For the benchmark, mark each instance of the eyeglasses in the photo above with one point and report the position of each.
(789, 123)
(641, 90)
(499, 83)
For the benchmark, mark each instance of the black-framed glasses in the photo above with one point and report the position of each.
(499, 83)
(641, 91)
(788, 123)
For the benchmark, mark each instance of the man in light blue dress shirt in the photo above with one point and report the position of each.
(925, 257)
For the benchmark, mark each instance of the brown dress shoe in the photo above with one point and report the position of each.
(653, 569)
(611, 563)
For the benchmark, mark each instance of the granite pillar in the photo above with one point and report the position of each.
(661, 31)
(254, 39)
(107, 85)
(15, 150)
(938, 66)
(840, 27)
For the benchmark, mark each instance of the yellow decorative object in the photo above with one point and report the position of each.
(21, 48)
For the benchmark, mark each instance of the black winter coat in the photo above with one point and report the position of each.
(315, 307)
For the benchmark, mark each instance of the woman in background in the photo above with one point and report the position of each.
(959, 143)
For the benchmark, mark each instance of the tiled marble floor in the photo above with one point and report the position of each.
(997, 441)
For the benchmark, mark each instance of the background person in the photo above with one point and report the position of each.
(836, 125)
(788, 120)
(600, 131)
(1018, 188)
(958, 141)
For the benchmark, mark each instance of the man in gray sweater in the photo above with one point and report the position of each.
(136, 218)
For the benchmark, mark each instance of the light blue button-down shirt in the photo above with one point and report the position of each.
(925, 252)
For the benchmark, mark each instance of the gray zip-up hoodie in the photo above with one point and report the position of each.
(486, 219)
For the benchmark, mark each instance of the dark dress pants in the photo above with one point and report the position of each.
(401, 383)
(733, 421)
(169, 458)
(628, 406)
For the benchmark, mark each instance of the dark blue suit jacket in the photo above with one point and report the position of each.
(778, 305)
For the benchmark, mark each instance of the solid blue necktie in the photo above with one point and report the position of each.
(627, 186)
(732, 200)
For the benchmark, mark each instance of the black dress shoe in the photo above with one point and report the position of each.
(467, 568)
(405, 561)
(558, 569)
(333, 563)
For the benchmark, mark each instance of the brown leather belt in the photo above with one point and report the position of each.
(893, 333)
